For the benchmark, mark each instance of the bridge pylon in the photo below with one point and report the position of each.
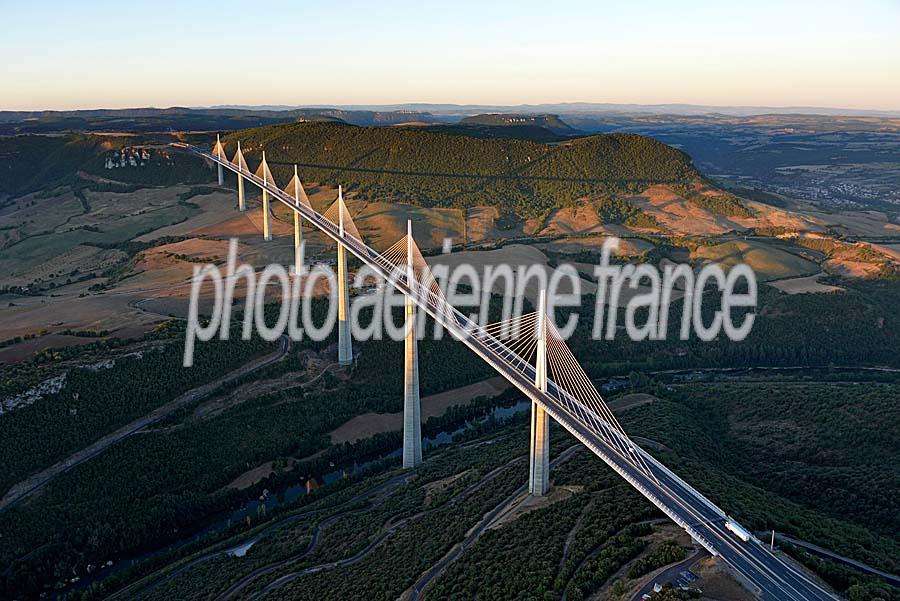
(345, 345)
(412, 411)
(539, 457)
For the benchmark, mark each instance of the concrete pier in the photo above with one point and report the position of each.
(345, 346)
(267, 225)
(220, 154)
(412, 412)
(298, 244)
(298, 228)
(539, 459)
(242, 165)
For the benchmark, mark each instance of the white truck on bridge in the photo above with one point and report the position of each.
(738, 530)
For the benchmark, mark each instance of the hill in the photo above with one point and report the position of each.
(439, 170)
(531, 133)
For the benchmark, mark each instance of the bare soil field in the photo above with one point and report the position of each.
(26, 349)
(215, 208)
(517, 256)
(675, 214)
(768, 261)
(684, 217)
(630, 401)
(627, 246)
(482, 223)
(891, 250)
(55, 239)
(101, 312)
(382, 224)
(805, 285)
(849, 268)
(717, 583)
(857, 223)
(579, 219)
(168, 264)
(370, 424)
(252, 476)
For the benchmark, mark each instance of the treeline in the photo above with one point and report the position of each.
(439, 170)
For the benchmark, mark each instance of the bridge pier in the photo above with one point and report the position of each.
(412, 411)
(267, 227)
(298, 244)
(539, 457)
(220, 154)
(264, 170)
(345, 346)
(298, 223)
(241, 165)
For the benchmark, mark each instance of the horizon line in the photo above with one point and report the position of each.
(387, 105)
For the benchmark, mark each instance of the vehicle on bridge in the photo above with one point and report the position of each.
(738, 530)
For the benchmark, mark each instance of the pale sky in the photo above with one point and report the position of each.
(127, 53)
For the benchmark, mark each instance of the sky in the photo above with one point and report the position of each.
(89, 54)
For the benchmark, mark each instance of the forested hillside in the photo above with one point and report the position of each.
(434, 169)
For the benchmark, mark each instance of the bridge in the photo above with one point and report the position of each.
(539, 364)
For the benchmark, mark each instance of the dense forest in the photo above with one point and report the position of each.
(434, 169)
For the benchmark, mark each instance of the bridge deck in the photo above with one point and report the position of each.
(774, 579)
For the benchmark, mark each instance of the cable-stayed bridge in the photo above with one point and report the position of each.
(539, 364)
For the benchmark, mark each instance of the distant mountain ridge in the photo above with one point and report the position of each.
(186, 119)
(446, 109)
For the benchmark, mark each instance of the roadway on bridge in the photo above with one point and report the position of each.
(774, 579)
